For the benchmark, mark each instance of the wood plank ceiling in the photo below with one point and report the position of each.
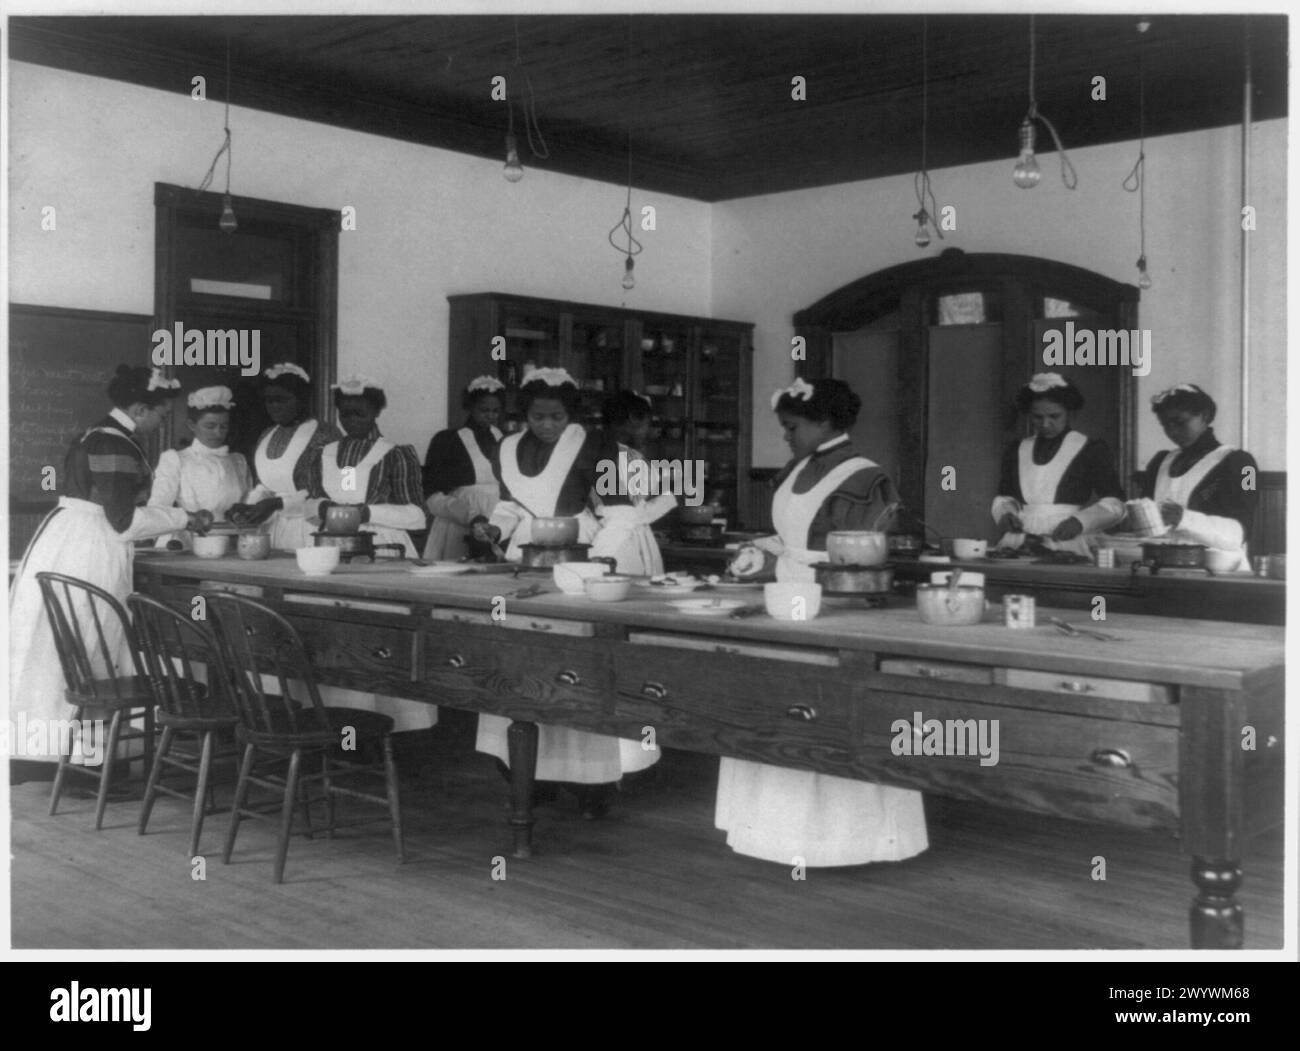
(707, 98)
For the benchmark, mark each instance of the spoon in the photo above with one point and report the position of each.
(888, 512)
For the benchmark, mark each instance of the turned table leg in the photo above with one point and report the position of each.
(1218, 921)
(521, 740)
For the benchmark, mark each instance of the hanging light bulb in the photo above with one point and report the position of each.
(1027, 173)
(1144, 278)
(513, 171)
(228, 223)
(922, 234)
(629, 281)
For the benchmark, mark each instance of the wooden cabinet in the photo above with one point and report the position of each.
(697, 373)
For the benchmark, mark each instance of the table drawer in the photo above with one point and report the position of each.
(1083, 685)
(361, 656)
(769, 710)
(948, 671)
(516, 620)
(542, 681)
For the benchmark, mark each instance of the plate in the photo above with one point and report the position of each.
(707, 607)
(439, 569)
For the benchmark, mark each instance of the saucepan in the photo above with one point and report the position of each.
(857, 547)
(854, 580)
(342, 518)
(553, 532)
(355, 545)
(1156, 557)
(704, 514)
(950, 606)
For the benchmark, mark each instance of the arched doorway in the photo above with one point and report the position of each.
(937, 349)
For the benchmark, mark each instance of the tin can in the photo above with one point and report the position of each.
(1105, 558)
(1019, 610)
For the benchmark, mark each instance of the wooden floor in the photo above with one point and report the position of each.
(653, 874)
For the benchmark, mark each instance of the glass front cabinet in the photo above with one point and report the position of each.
(696, 372)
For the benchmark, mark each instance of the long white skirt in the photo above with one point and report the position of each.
(75, 539)
(575, 755)
(798, 817)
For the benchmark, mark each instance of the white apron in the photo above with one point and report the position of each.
(289, 528)
(625, 534)
(563, 754)
(75, 539)
(1038, 483)
(779, 814)
(406, 714)
(446, 540)
(1180, 490)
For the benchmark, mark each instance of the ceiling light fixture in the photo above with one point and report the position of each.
(921, 181)
(514, 170)
(1135, 181)
(1027, 173)
(624, 225)
(227, 223)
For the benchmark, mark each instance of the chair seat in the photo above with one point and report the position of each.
(368, 726)
(124, 691)
(217, 720)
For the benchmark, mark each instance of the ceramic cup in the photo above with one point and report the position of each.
(211, 546)
(792, 601)
(253, 546)
(1144, 518)
(317, 561)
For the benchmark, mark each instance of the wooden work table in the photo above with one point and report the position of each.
(1144, 731)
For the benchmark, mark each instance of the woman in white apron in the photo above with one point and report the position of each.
(103, 487)
(459, 485)
(776, 813)
(549, 469)
(1057, 485)
(283, 459)
(1206, 491)
(365, 468)
(205, 475)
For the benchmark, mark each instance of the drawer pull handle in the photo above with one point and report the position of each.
(928, 673)
(540, 627)
(382, 653)
(1113, 757)
(654, 690)
(1075, 686)
(456, 661)
(568, 678)
(806, 712)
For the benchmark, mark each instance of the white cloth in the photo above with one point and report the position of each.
(1196, 527)
(565, 754)
(453, 512)
(793, 514)
(290, 529)
(406, 714)
(198, 478)
(1040, 514)
(783, 815)
(625, 534)
(75, 539)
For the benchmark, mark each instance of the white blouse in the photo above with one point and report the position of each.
(198, 478)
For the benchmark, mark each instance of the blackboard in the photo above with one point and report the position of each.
(60, 362)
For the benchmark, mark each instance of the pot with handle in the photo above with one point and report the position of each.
(1156, 557)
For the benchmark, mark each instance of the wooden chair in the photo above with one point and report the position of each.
(197, 718)
(253, 641)
(103, 673)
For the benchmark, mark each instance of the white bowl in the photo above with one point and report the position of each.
(607, 588)
(317, 561)
(211, 546)
(792, 601)
(1219, 561)
(966, 549)
(571, 577)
